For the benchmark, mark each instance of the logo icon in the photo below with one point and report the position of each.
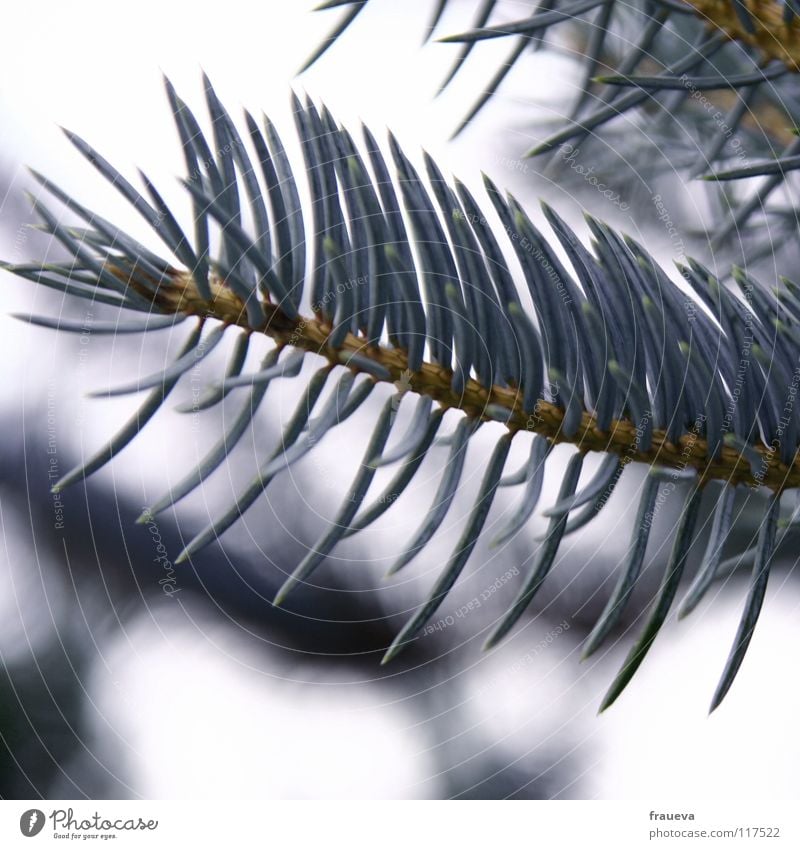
(31, 822)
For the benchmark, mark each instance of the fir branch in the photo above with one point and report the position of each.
(407, 283)
(761, 466)
(747, 49)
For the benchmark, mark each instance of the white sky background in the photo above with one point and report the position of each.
(97, 69)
